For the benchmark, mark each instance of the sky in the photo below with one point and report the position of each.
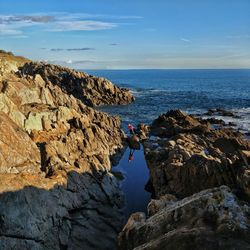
(129, 34)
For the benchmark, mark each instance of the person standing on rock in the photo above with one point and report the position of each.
(131, 129)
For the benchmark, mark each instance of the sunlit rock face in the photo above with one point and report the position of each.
(210, 219)
(56, 189)
(89, 89)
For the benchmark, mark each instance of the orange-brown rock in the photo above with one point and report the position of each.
(18, 153)
(89, 89)
(56, 191)
(184, 160)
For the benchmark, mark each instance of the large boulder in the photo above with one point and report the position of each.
(212, 219)
(175, 122)
(143, 131)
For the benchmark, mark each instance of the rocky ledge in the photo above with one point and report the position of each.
(201, 183)
(56, 191)
(91, 90)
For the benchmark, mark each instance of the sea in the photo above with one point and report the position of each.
(194, 91)
(156, 92)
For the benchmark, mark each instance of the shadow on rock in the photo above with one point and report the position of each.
(84, 212)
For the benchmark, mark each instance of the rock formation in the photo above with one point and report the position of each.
(56, 190)
(187, 155)
(220, 112)
(211, 219)
(18, 152)
(186, 158)
(89, 89)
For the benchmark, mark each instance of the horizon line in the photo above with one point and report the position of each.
(168, 69)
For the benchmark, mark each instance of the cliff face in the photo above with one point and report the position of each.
(56, 191)
(91, 90)
(201, 179)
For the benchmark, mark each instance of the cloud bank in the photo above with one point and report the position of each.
(71, 49)
(59, 22)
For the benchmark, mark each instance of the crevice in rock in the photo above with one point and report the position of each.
(20, 237)
(44, 161)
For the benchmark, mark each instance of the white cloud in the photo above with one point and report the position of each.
(28, 18)
(77, 16)
(185, 40)
(8, 31)
(15, 24)
(85, 25)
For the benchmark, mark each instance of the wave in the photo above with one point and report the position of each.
(242, 110)
(241, 119)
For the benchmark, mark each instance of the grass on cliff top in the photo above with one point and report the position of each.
(10, 56)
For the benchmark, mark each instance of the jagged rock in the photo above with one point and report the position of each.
(212, 219)
(175, 122)
(155, 206)
(37, 99)
(186, 156)
(80, 145)
(220, 112)
(216, 121)
(143, 131)
(228, 145)
(188, 162)
(34, 121)
(56, 191)
(9, 108)
(18, 153)
(89, 89)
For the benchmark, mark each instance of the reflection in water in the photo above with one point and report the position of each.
(136, 176)
(131, 155)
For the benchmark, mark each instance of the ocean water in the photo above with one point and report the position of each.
(194, 91)
(156, 92)
(136, 176)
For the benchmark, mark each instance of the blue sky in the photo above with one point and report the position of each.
(119, 34)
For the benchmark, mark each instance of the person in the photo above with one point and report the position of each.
(131, 129)
(131, 155)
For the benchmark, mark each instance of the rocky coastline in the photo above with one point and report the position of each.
(200, 178)
(57, 191)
